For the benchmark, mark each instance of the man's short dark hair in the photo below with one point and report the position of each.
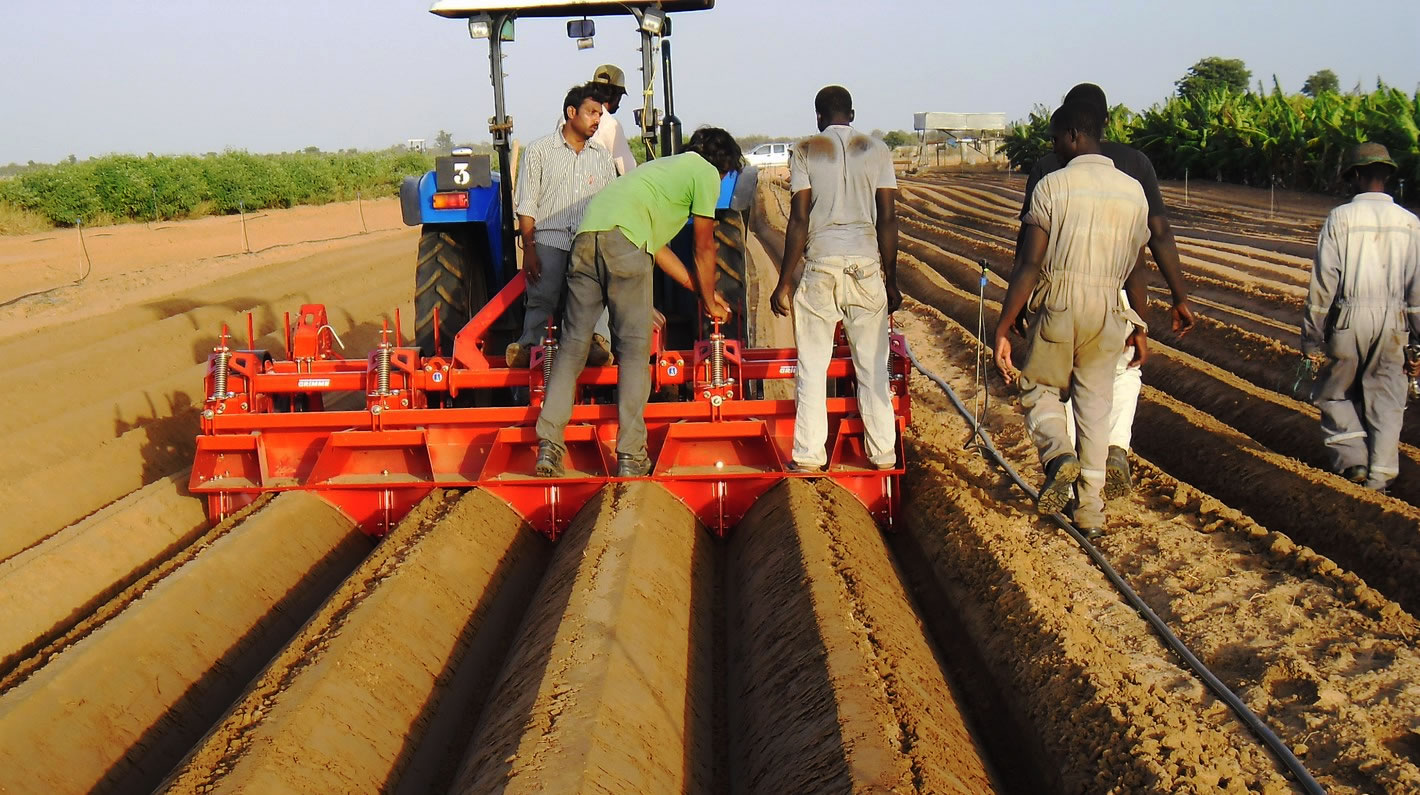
(1090, 96)
(580, 94)
(719, 148)
(1083, 119)
(833, 101)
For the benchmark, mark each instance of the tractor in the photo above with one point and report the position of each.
(375, 434)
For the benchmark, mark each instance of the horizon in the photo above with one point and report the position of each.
(282, 79)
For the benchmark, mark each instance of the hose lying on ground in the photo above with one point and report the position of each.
(982, 441)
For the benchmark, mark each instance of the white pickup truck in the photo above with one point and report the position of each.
(771, 154)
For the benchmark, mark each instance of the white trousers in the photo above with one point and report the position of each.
(849, 290)
(1128, 381)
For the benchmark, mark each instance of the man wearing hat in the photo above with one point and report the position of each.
(610, 135)
(1362, 309)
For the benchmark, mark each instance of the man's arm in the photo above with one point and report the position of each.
(1412, 298)
(532, 266)
(796, 241)
(1326, 277)
(1030, 259)
(1136, 288)
(1165, 251)
(671, 265)
(705, 268)
(887, 244)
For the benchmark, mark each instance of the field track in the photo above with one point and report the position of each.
(973, 648)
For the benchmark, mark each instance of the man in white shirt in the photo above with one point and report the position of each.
(610, 134)
(561, 173)
(842, 240)
(1362, 308)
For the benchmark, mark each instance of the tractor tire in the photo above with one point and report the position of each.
(450, 275)
(731, 255)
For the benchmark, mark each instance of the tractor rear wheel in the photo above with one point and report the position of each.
(451, 275)
(730, 258)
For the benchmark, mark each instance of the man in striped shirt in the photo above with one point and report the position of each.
(561, 173)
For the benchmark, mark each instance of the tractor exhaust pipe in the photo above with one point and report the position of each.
(670, 128)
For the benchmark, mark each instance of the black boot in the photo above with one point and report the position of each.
(549, 459)
(632, 466)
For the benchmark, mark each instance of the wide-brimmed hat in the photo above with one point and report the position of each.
(1366, 154)
(611, 75)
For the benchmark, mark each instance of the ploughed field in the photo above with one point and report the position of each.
(972, 648)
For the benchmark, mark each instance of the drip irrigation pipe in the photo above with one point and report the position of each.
(1274, 744)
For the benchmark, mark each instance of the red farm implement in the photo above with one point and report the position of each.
(266, 426)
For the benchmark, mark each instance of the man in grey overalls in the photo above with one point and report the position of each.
(1084, 235)
(1363, 306)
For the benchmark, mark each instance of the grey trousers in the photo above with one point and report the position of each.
(1362, 392)
(1072, 356)
(607, 271)
(545, 296)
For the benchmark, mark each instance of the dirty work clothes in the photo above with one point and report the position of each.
(845, 169)
(1361, 394)
(850, 290)
(545, 296)
(1125, 158)
(557, 182)
(1362, 307)
(607, 271)
(1128, 382)
(1096, 218)
(650, 205)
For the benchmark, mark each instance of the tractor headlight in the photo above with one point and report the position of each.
(653, 20)
(480, 27)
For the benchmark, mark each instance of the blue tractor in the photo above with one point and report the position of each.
(467, 248)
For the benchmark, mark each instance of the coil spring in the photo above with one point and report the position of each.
(549, 353)
(717, 360)
(382, 370)
(219, 375)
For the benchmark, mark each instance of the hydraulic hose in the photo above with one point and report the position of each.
(1274, 744)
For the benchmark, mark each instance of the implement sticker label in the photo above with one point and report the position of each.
(788, 369)
(312, 383)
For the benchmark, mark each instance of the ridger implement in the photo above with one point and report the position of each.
(265, 426)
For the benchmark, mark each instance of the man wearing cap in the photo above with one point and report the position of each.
(561, 173)
(610, 134)
(1362, 308)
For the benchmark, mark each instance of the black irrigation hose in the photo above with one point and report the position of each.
(1274, 744)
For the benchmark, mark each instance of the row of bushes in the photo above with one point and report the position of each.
(125, 187)
(1291, 140)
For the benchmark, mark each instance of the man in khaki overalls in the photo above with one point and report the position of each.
(1083, 236)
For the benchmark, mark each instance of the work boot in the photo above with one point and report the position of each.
(518, 355)
(1357, 474)
(1060, 475)
(629, 465)
(599, 355)
(806, 469)
(1117, 482)
(1091, 533)
(549, 459)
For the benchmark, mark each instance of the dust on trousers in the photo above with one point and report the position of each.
(1362, 391)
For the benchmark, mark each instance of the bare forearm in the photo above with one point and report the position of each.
(1136, 287)
(527, 226)
(671, 265)
(887, 248)
(1165, 251)
(796, 241)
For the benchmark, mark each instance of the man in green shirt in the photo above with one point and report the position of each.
(623, 234)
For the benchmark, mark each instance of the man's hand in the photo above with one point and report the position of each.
(1139, 338)
(894, 298)
(532, 266)
(783, 299)
(1003, 359)
(1183, 320)
(1412, 369)
(718, 308)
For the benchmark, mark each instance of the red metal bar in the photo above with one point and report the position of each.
(251, 333)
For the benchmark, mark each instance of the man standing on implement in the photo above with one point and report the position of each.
(1363, 305)
(1083, 237)
(623, 236)
(560, 175)
(842, 239)
(610, 134)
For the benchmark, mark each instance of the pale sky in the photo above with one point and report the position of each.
(270, 75)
